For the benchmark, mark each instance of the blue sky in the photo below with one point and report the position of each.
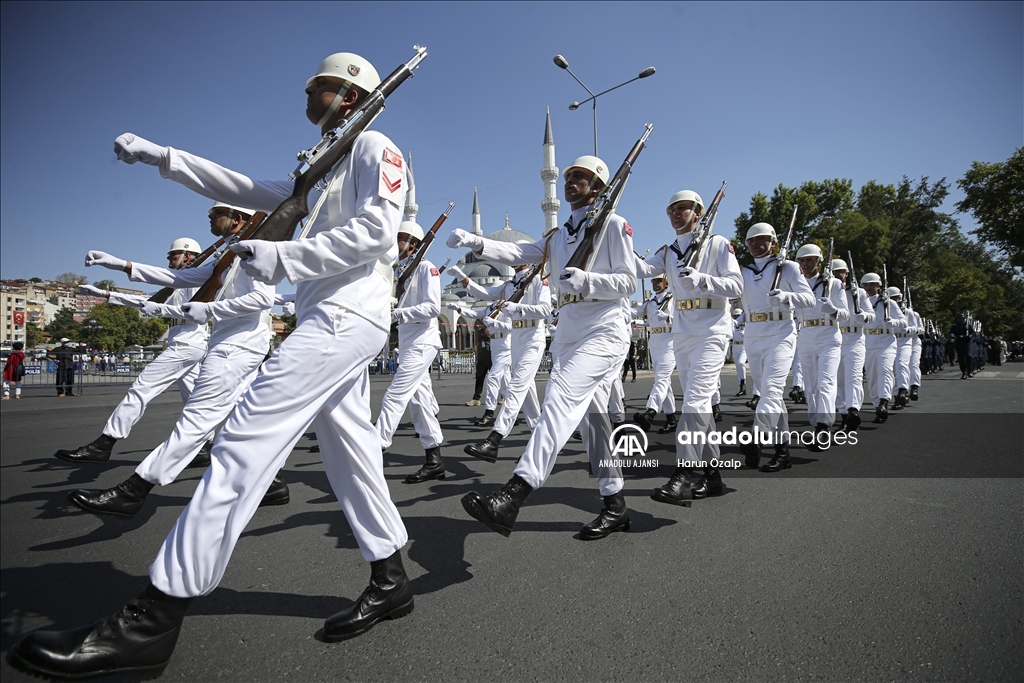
(756, 93)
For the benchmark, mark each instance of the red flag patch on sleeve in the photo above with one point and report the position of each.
(731, 249)
(435, 272)
(392, 157)
(629, 230)
(546, 283)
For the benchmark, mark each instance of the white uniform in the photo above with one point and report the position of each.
(499, 375)
(770, 336)
(528, 336)
(179, 362)
(238, 344)
(656, 315)
(739, 352)
(850, 387)
(319, 374)
(917, 329)
(590, 343)
(701, 329)
(819, 346)
(418, 344)
(904, 349)
(880, 348)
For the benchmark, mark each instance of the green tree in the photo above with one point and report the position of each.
(33, 335)
(114, 327)
(105, 284)
(64, 325)
(995, 197)
(71, 279)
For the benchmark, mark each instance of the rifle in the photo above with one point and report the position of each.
(336, 143)
(885, 293)
(703, 232)
(407, 267)
(519, 292)
(441, 269)
(851, 284)
(164, 294)
(783, 252)
(208, 292)
(906, 295)
(826, 271)
(596, 221)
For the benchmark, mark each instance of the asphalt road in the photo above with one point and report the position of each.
(901, 558)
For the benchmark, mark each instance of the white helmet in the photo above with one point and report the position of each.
(229, 207)
(589, 163)
(839, 264)
(809, 250)
(870, 278)
(686, 196)
(894, 292)
(411, 229)
(736, 311)
(184, 244)
(758, 229)
(350, 68)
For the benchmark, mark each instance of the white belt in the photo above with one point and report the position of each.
(878, 331)
(851, 330)
(497, 335)
(770, 316)
(701, 304)
(737, 342)
(661, 330)
(566, 299)
(819, 322)
(519, 324)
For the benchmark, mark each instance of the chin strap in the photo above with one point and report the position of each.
(333, 109)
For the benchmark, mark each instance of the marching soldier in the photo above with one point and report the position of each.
(904, 351)
(916, 326)
(880, 345)
(319, 374)
(850, 386)
(418, 344)
(499, 372)
(179, 362)
(656, 315)
(739, 354)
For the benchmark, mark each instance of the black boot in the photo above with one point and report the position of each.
(676, 490)
(671, 424)
(277, 494)
(500, 509)
(124, 500)
(780, 461)
(487, 420)
(794, 394)
(900, 401)
(801, 396)
(389, 596)
(852, 420)
(822, 439)
(645, 419)
(614, 517)
(96, 453)
(710, 485)
(716, 412)
(882, 411)
(913, 393)
(137, 641)
(752, 454)
(743, 388)
(842, 425)
(202, 458)
(433, 468)
(488, 450)
(752, 403)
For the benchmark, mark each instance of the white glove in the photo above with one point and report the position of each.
(197, 312)
(288, 308)
(574, 281)
(130, 148)
(827, 307)
(454, 307)
(261, 260)
(663, 316)
(691, 279)
(460, 238)
(94, 291)
(102, 258)
(398, 316)
(457, 273)
(777, 298)
(513, 309)
(153, 309)
(865, 317)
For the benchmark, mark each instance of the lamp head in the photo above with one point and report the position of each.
(560, 62)
(649, 71)
(574, 106)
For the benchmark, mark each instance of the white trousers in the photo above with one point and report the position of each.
(850, 388)
(904, 349)
(915, 363)
(878, 360)
(319, 375)
(176, 364)
(225, 374)
(770, 360)
(662, 398)
(699, 359)
(527, 352)
(739, 357)
(498, 377)
(578, 371)
(820, 351)
(798, 371)
(410, 387)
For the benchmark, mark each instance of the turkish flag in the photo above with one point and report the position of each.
(19, 318)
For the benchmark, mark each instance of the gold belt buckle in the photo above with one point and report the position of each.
(759, 317)
(568, 299)
(686, 304)
(518, 324)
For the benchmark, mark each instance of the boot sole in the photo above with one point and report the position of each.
(397, 613)
(69, 458)
(474, 510)
(100, 511)
(468, 450)
(413, 479)
(284, 500)
(776, 469)
(584, 536)
(136, 673)
(662, 498)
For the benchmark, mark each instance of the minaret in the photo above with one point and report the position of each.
(549, 174)
(477, 230)
(411, 207)
(507, 226)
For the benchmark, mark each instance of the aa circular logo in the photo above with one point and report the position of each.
(628, 441)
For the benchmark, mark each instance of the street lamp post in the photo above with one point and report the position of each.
(562, 63)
